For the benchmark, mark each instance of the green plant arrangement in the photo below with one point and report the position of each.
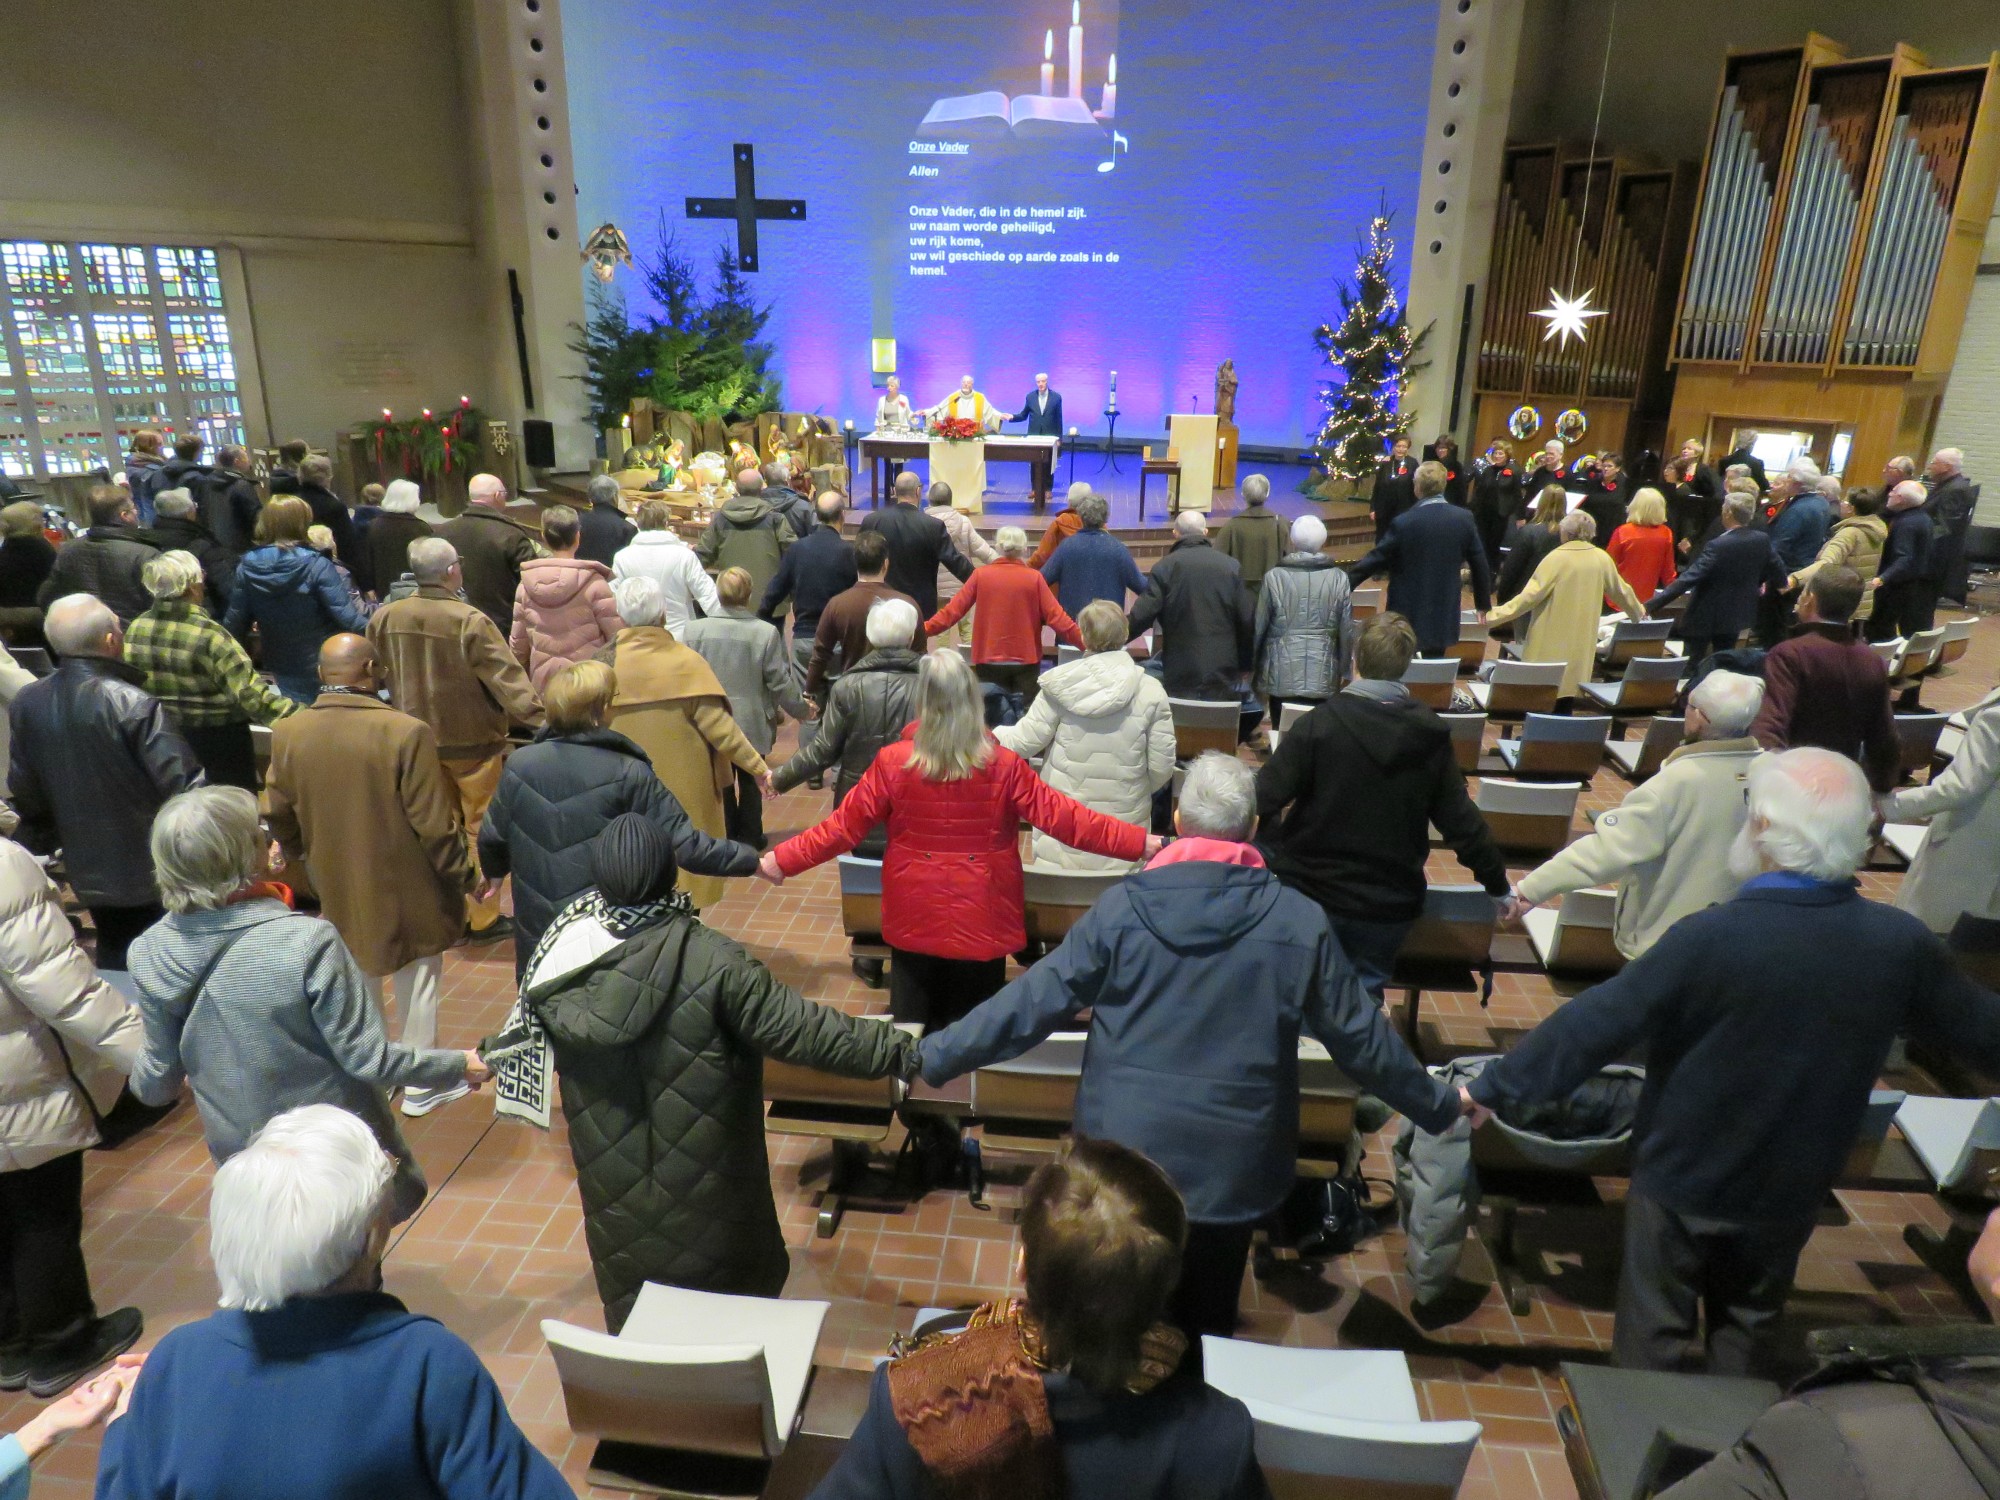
(429, 445)
(700, 355)
(1373, 352)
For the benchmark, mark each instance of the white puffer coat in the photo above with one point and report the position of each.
(1101, 730)
(62, 1028)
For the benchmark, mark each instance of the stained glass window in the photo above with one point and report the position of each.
(97, 341)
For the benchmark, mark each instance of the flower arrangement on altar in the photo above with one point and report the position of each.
(953, 429)
(430, 445)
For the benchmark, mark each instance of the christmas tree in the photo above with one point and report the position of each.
(1373, 353)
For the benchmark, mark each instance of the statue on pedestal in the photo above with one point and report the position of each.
(1225, 391)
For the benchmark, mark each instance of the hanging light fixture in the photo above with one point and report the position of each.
(1568, 317)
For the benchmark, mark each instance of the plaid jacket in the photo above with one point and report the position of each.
(198, 670)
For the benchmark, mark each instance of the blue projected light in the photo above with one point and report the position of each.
(1011, 186)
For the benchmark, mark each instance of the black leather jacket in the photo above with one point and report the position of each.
(103, 562)
(93, 758)
(868, 707)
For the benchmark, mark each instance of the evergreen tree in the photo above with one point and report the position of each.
(1373, 352)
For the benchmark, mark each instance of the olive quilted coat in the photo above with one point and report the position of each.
(659, 1046)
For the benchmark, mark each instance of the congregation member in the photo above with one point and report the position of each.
(294, 596)
(1723, 581)
(285, 473)
(1302, 639)
(200, 672)
(105, 561)
(1949, 505)
(177, 528)
(971, 546)
(260, 1009)
(814, 571)
(1063, 525)
(92, 757)
(330, 1381)
(1199, 974)
(841, 637)
(660, 553)
(670, 703)
(491, 546)
(1195, 595)
(1766, 1021)
(563, 612)
(1349, 797)
(1255, 536)
(1531, 540)
(389, 535)
(1824, 687)
(918, 545)
(1957, 868)
(1564, 601)
(748, 658)
(321, 541)
(67, 1040)
(27, 557)
(1101, 730)
(785, 498)
(97, 1400)
(953, 801)
(1904, 603)
(560, 792)
(1011, 604)
(1077, 1375)
(602, 530)
(1800, 519)
(446, 663)
(1854, 542)
(1098, 566)
(330, 511)
(232, 503)
(1666, 846)
(357, 796)
(1423, 553)
(1607, 498)
(658, 1025)
(1643, 547)
(746, 532)
(1497, 498)
(1394, 491)
(143, 462)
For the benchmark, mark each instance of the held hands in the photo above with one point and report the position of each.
(476, 1070)
(104, 1398)
(766, 785)
(489, 888)
(1154, 844)
(1514, 906)
(767, 869)
(1471, 1109)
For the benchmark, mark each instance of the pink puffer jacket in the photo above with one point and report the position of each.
(563, 613)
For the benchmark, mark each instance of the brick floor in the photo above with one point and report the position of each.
(499, 1246)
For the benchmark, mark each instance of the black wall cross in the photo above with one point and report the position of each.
(746, 208)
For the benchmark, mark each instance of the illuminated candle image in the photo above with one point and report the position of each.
(1108, 107)
(1048, 63)
(1076, 49)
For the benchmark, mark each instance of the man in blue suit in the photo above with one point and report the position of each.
(1042, 411)
(1422, 552)
(1727, 577)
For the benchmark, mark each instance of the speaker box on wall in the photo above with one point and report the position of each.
(538, 443)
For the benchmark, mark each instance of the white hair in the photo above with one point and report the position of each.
(486, 489)
(174, 504)
(1218, 798)
(1911, 492)
(1076, 492)
(170, 575)
(1256, 489)
(431, 559)
(1739, 508)
(1041, 374)
(1729, 701)
(892, 622)
(1577, 526)
(402, 497)
(291, 1213)
(77, 624)
(1308, 534)
(1092, 510)
(1802, 472)
(602, 490)
(1829, 486)
(640, 600)
(1809, 813)
(1191, 523)
(1010, 541)
(1952, 458)
(206, 846)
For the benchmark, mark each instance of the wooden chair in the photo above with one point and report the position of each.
(1890, 652)
(1575, 938)
(1957, 1140)
(1430, 681)
(1468, 736)
(1339, 1422)
(1957, 640)
(1469, 650)
(32, 659)
(1200, 726)
(1327, 1099)
(1650, 684)
(1448, 947)
(1636, 760)
(1367, 603)
(1918, 736)
(1531, 818)
(1023, 1107)
(1519, 688)
(1633, 639)
(1292, 714)
(1559, 746)
(1168, 468)
(861, 906)
(1054, 900)
(699, 1391)
(851, 1113)
(1066, 653)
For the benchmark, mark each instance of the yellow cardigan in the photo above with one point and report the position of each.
(1566, 599)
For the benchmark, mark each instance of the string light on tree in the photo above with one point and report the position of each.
(1566, 315)
(1373, 350)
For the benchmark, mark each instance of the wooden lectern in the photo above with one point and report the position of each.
(963, 467)
(1192, 440)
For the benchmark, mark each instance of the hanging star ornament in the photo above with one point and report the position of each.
(1566, 315)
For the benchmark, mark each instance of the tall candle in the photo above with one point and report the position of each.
(1076, 50)
(1108, 107)
(1048, 62)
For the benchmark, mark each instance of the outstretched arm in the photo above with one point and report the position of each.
(1026, 1011)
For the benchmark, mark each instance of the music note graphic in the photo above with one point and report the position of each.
(1117, 140)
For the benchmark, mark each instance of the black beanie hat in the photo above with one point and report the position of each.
(632, 861)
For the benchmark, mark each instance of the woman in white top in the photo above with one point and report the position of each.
(892, 410)
(658, 552)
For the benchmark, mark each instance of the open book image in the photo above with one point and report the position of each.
(992, 113)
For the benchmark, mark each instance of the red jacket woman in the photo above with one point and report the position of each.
(1014, 601)
(1643, 548)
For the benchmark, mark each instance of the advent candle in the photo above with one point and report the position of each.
(1108, 107)
(1076, 49)
(1048, 63)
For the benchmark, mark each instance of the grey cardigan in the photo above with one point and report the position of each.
(749, 660)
